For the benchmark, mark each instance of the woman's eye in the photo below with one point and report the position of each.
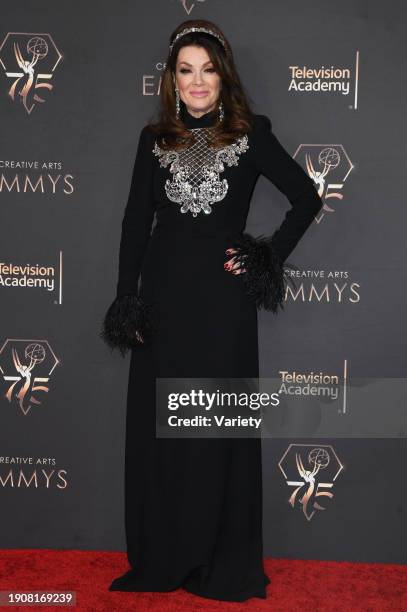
(185, 70)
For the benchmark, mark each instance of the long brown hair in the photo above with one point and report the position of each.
(238, 116)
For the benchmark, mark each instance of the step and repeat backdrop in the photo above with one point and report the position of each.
(77, 84)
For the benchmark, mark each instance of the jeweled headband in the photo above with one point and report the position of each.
(198, 29)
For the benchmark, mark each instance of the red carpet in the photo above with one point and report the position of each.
(314, 586)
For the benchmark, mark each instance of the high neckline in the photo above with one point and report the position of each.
(191, 122)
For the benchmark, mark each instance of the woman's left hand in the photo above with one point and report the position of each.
(232, 265)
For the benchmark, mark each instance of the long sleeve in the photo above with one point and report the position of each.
(138, 217)
(264, 256)
(127, 321)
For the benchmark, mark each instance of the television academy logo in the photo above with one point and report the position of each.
(312, 471)
(41, 277)
(326, 385)
(329, 166)
(29, 59)
(18, 358)
(326, 79)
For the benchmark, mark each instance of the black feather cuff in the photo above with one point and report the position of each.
(265, 278)
(126, 315)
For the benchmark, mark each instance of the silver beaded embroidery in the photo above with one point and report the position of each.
(196, 183)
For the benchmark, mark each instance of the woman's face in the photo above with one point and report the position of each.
(197, 81)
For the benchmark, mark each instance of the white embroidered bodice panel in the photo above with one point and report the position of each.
(196, 183)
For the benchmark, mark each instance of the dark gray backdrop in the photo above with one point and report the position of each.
(104, 90)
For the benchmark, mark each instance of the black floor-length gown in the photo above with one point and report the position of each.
(193, 507)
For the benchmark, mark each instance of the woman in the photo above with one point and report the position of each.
(193, 507)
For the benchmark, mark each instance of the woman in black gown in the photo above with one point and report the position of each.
(193, 507)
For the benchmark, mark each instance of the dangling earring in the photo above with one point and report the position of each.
(221, 112)
(177, 105)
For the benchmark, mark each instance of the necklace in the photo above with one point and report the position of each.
(196, 182)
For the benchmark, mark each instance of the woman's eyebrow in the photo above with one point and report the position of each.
(184, 62)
